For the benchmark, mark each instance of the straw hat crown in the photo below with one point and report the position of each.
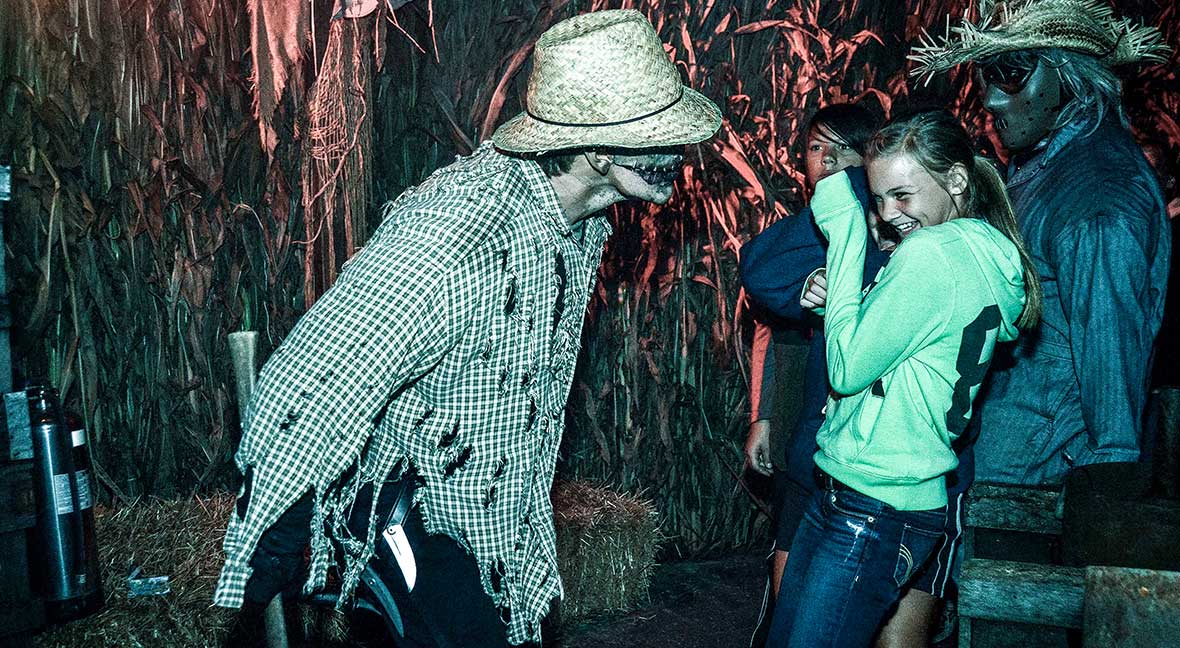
(604, 79)
(1085, 26)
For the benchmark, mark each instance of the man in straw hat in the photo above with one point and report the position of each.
(1094, 219)
(448, 345)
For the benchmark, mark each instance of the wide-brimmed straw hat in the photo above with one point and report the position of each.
(1085, 26)
(602, 79)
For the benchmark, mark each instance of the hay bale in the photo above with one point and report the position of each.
(606, 544)
(178, 539)
(606, 547)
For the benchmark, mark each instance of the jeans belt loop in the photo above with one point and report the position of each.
(827, 482)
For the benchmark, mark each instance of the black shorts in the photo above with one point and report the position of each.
(790, 500)
(447, 608)
(939, 573)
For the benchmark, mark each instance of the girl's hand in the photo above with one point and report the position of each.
(883, 233)
(815, 293)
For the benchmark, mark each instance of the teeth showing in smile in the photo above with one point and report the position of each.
(906, 228)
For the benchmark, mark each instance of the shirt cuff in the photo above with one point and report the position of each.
(833, 194)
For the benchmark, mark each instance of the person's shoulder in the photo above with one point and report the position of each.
(925, 248)
(467, 182)
(973, 233)
(1104, 169)
(947, 245)
(943, 234)
(468, 201)
(484, 166)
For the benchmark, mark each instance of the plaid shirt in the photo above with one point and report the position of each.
(449, 341)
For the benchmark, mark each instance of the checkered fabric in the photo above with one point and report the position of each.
(448, 343)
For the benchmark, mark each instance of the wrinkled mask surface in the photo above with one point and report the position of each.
(1023, 95)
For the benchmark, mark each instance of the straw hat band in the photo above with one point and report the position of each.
(619, 122)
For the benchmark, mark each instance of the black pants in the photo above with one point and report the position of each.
(447, 608)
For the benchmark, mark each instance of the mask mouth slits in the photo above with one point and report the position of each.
(663, 174)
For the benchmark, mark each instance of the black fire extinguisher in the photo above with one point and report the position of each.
(63, 550)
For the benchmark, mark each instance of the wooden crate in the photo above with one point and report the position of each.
(1009, 590)
(20, 612)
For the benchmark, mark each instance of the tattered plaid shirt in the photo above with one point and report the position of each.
(449, 343)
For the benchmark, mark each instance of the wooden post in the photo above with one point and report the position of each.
(243, 348)
(1164, 417)
(20, 612)
(5, 317)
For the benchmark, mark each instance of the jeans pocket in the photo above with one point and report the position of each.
(917, 545)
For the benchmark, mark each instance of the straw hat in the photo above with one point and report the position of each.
(1085, 26)
(603, 79)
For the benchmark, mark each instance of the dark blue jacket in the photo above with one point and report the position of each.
(1074, 393)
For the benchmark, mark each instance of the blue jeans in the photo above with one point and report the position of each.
(851, 558)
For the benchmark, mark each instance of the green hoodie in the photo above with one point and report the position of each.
(906, 361)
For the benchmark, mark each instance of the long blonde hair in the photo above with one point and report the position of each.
(937, 141)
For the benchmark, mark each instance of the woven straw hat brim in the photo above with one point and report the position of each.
(692, 119)
(1085, 26)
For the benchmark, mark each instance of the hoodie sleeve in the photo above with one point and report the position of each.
(907, 307)
(775, 264)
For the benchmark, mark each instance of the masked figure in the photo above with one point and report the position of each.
(1093, 215)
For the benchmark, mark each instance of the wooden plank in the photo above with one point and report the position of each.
(1013, 508)
(1001, 590)
(1131, 608)
(20, 611)
(18, 508)
(1006, 634)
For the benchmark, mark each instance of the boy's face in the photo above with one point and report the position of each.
(827, 153)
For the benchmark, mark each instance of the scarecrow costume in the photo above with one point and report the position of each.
(448, 344)
(1085, 26)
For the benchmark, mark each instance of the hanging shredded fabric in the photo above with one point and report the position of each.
(336, 153)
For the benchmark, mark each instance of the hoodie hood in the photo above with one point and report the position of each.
(1000, 261)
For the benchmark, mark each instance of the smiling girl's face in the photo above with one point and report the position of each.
(909, 198)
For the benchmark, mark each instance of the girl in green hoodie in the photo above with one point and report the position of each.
(905, 359)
